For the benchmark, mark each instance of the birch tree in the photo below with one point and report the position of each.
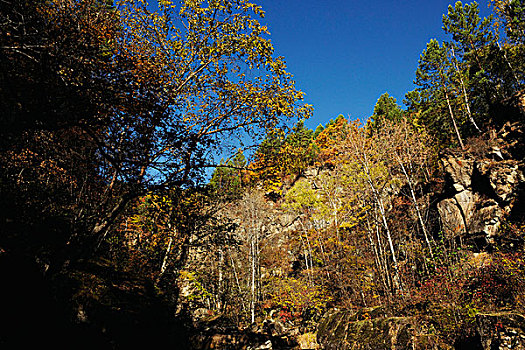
(433, 78)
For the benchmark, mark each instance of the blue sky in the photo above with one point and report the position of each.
(345, 54)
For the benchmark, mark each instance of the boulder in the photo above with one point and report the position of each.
(459, 169)
(470, 214)
(308, 341)
(499, 331)
(483, 187)
(344, 329)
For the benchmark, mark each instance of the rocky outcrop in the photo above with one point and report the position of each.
(344, 329)
(220, 333)
(501, 331)
(369, 329)
(484, 187)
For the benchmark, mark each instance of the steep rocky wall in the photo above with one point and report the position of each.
(484, 187)
(501, 331)
(368, 329)
(345, 329)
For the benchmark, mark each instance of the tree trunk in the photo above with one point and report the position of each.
(454, 121)
(416, 206)
(252, 304)
(167, 253)
(464, 90)
(364, 163)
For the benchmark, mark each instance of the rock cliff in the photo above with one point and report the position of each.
(483, 192)
(484, 188)
(370, 329)
(501, 331)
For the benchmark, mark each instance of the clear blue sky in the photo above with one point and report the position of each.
(345, 53)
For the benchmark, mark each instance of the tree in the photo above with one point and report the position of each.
(368, 158)
(165, 89)
(330, 216)
(229, 178)
(253, 232)
(298, 149)
(55, 58)
(472, 76)
(411, 156)
(469, 31)
(191, 62)
(283, 155)
(472, 39)
(334, 133)
(267, 166)
(433, 77)
(512, 13)
(386, 110)
(317, 131)
(460, 75)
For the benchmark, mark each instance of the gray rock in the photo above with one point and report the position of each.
(460, 170)
(266, 346)
(345, 330)
(501, 331)
(483, 190)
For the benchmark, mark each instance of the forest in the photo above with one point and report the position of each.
(159, 187)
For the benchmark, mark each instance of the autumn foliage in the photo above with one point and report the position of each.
(113, 114)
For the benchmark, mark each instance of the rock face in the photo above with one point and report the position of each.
(483, 188)
(218, 333)
(342, 330)
(501, 331)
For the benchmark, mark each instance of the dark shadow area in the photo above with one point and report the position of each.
(32, 317)
(469, 343)
(35, 313)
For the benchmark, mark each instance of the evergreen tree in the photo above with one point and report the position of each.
(298, 149)
(470, 33)
(513, 14)
(472, 40)
(229, 177)
(433, 78)
(386, 110)
(317, 131)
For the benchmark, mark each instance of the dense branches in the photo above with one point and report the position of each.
(115, 111)
(151, 96)
(461, 83)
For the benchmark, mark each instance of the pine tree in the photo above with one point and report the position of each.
(386, 110)
(433, 78)
(472, 40)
